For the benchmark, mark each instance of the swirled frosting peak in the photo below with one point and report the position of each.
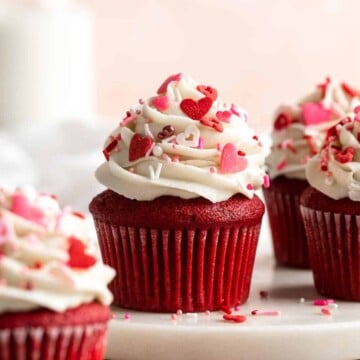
(183, 142)
(335, 171)
(46, 260)
(299, 130)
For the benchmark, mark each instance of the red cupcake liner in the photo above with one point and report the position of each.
(287, 228)
(168, 270)
(80, 342)
(334, 250)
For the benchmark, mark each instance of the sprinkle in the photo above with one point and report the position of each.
(266, 312)
(166, 132)
(160, 103)
(127, 316)
(201, 143)
(212, 170)
(208, 91)
(218, 147)
(212, 123)
(224, 116)
(148, 131)
(281, 165)
(282, 121)
(333, 305)
(179, 312)
(207, 312)
(128, 119)
(326, 311)
(235, 318)
(264, 294)
(157, 150)
(162, 89)
(288, 144)
(302, 300)
(141, 101)
(173, 317)
(266, 181)
(225, 309)
(166, 157)
(234, 110)
(196, 109)
(175, 158)
(155, 174)
(131, 169)
(138, 112)
(323, 302)
(237, 307)
(78, 214)
(250, 187)
(140, 146)
(310, 141)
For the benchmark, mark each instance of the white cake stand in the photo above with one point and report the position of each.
(300, 332)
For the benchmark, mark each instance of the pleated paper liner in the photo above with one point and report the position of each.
(334, 250)
(168, 270)
(80, 342)
(288, 235)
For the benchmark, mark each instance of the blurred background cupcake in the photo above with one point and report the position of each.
(331, 211)
(298, 133)
(181, 222)
(53, 288)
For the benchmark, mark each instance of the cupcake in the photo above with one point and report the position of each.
(331, 211)
(180, 220)
(298, 133)
(53, 289)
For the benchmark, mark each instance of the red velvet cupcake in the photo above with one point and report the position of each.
(53, 290)
(298, 134)
(331, 212)
(180, 221)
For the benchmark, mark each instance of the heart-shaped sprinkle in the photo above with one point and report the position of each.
(230, 161)
(166, 132)
(160, 103)
(190, 137)
(224, 116)
(196, 109)
(139, 146)
(212, 123)
(315, 113)
(162, 89)
(21, 206)
(208, 91)
(282, 121)
(77, 256)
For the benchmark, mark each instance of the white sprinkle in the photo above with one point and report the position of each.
(155, 175)
(157, 150)
(302, 300)
(333, 306)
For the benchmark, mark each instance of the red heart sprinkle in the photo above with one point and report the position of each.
(212, 123)
(208, 91)
(230, 161)
(224, 116)
(162, 89)
(282, 121)
(315, 113)
(345, 155)
(235, 318)
(139, 146)
(196, 109)
(77, 256)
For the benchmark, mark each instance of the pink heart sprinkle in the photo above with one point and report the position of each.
(160, 103)
(223, 116)
(315, 113)
(230, 161)
(21, 206)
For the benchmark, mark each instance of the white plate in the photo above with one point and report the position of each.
(300, 332)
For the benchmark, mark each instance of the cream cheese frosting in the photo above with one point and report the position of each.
(335, 171)
(46, 260)
(299, 130)
(183, 142)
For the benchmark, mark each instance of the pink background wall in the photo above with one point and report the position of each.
(257, 53)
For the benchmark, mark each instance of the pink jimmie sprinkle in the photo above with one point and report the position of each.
(323, 302)
(179, 312)
(127, 316)
(326, 311)
(250, 187)
(201, 143)
(266, 312)
(281, 165)
(218, 147)
(266, 181)
(173, 317)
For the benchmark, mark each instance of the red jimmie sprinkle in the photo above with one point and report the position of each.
(109, 148)
(235, 318)
(208, 91)
(212, 123)
(350, 91)
(79, 214)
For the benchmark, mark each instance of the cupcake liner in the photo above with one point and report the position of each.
(289, 240)
(166, 270)
(67, 342)
(334, 250)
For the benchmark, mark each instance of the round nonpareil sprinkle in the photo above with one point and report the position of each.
(179, 312)
(127, 316)
(173, 317)
(264, 294)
